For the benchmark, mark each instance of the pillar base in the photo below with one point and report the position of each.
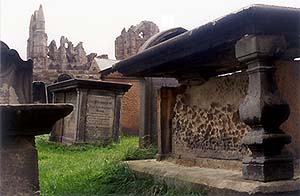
(160, 156)
(266, 169)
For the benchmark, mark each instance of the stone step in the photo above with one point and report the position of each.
(217, 182)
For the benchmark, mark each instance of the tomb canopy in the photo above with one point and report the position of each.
(235, 101)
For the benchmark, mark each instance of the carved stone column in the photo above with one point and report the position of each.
(264, 110)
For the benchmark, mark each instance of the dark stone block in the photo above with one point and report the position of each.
(268, 169)
(39, 92)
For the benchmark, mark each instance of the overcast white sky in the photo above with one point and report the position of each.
(97, 23)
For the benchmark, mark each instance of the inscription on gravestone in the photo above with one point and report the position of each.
(100, 116)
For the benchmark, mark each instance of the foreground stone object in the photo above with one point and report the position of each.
(19, 161)
(20, 122)
(96, 115)
(264, 111)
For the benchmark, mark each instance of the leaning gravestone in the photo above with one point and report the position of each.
(20, 121)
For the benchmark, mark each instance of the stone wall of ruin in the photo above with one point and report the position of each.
(129, 42)
(50, 76)
(50, 61)
(66, 59)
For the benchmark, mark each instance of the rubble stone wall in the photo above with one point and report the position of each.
(206, 121)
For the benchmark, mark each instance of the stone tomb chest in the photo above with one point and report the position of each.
(238, 104)
(96, 114)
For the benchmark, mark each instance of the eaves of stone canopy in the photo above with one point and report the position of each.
(209, 50)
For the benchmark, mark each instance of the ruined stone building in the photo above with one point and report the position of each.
(51, 60)
(129, 42)
(37, 42)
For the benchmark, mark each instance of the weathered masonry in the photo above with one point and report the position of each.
(96, 115)
(238, 103)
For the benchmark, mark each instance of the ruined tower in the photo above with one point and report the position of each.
(129, 42)
(37, 41)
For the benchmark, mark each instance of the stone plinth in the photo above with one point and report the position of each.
(96, 115)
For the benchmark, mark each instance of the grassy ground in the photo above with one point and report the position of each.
(96, 170)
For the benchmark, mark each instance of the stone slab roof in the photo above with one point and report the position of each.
(209, 50)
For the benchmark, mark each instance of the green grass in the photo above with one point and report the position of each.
(96, 170)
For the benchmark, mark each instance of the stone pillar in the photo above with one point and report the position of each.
(145, 116)
(116, 126)
(82, 97)
(167, 102)
(264, 110)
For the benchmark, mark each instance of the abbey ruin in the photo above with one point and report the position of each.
(130, 41)
(54, 60)
(49, 61)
